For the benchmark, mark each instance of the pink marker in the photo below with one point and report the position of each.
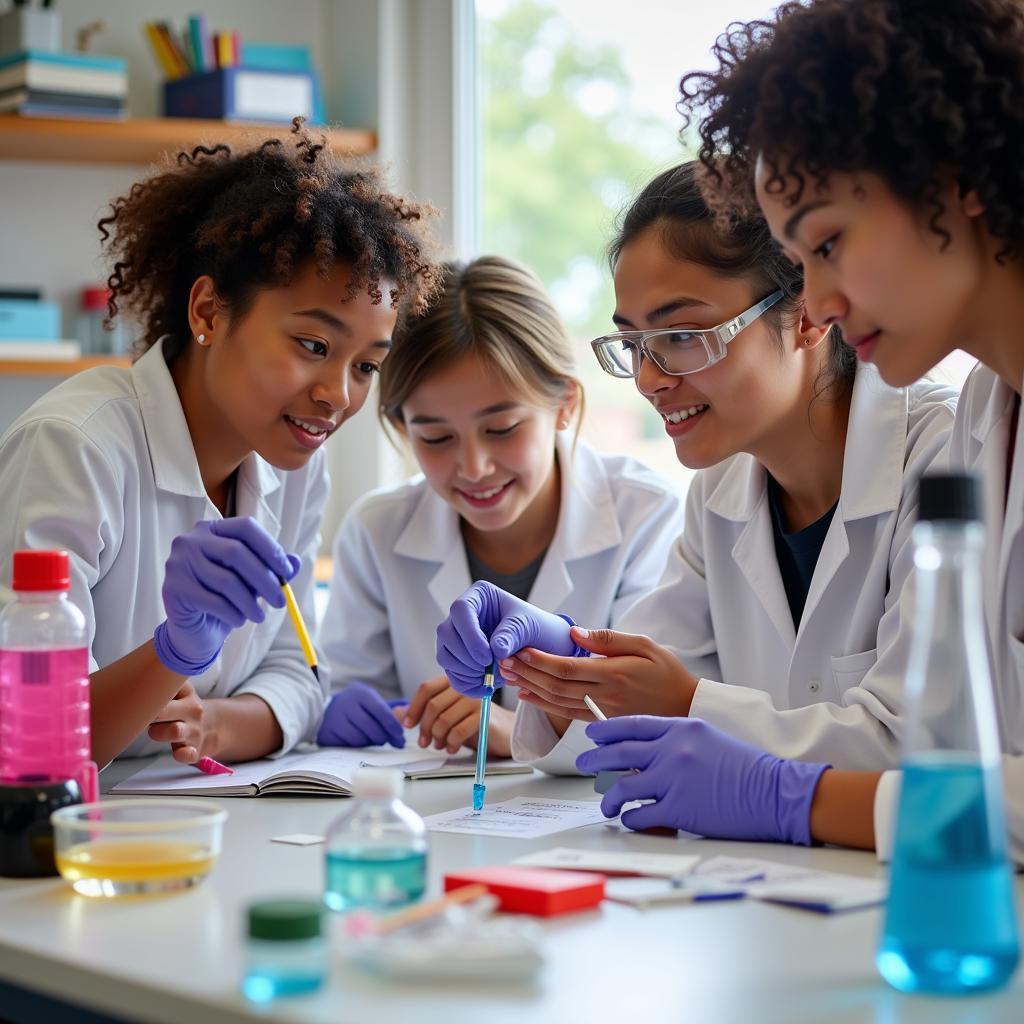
(211, 767)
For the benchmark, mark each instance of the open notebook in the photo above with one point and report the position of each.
(328, 771)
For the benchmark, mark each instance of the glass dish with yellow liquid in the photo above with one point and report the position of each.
(136, 847)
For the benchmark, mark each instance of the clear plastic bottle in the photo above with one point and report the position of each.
(44, 678)
(950, 923)
(94, 338)
(376, 851)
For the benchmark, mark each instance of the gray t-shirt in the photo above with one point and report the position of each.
(518, 583)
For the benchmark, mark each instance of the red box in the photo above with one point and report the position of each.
(538, 891)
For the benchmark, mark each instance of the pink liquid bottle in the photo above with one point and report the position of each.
(45, 744)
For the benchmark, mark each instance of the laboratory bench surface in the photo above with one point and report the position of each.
(179, 958)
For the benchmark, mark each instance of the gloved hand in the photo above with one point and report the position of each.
(213, 580)
(359, 716)
(486, 624)
(701, 780)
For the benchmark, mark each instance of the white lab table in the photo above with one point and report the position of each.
(178, 959)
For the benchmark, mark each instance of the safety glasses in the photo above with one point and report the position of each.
(674, 351)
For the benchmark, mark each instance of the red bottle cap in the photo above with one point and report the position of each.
(95, 299)
(41, 570)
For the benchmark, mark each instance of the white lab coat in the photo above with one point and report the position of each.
(831, 690)
(979, 444)
(103, 466)
(400, 561)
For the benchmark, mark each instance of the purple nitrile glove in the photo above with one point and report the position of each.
(360, 717)
(701, 780)
(486, 624)
(213, 580)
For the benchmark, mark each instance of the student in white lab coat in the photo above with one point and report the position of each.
(778, 617)
(914, 249)
(482, 388)
(185, 487)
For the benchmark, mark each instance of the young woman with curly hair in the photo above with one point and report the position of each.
(884, 142)
(187, 487)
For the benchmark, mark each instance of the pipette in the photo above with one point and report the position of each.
(479, 789)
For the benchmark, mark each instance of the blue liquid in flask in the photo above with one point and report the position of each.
(950, 921)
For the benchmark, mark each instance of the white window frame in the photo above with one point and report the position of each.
(407, 69)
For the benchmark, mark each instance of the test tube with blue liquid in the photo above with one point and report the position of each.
(479, 789)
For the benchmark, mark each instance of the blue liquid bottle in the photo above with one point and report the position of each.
(376, 855)
(950, 923)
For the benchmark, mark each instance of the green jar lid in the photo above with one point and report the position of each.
(284, 920)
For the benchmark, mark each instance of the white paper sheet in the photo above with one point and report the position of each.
(520, 818)
(823, 891)
(632, 862)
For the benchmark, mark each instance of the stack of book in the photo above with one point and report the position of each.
(39, 84)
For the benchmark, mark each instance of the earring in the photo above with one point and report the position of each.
(562, 423)
(201, 338)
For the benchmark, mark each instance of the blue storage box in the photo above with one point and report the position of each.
(28, 320)
(241, 94)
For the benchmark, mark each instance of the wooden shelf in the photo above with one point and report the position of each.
(57, 367)
(143, 141)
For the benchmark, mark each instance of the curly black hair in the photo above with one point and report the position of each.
(906, 89)
(250, 220)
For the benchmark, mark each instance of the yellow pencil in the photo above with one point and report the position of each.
(300, 627)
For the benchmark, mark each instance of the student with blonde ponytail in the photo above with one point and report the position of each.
(482, 388)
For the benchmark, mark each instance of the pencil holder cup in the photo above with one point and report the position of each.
(29, 28)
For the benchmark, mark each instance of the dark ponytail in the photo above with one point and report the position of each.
(673, 201)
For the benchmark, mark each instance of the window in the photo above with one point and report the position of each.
(577, 109)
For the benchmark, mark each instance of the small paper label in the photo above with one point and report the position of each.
(299, 839)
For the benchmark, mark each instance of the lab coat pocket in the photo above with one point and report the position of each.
(849, 670)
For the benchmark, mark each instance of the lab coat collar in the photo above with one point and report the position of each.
(872, 464)
(876, 447)
(432, 530)
(175, 467)
(988, 403)
(997, 405)
(432, 535)
(588, 522)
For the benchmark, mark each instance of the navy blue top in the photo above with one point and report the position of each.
(797, 553)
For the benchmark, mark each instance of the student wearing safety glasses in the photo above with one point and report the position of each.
(777, 619)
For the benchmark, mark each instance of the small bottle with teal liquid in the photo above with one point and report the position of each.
(376, 855)
(950, 924)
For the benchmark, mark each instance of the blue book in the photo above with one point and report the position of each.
(75, 60)
(29, 321)
(275, 57)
